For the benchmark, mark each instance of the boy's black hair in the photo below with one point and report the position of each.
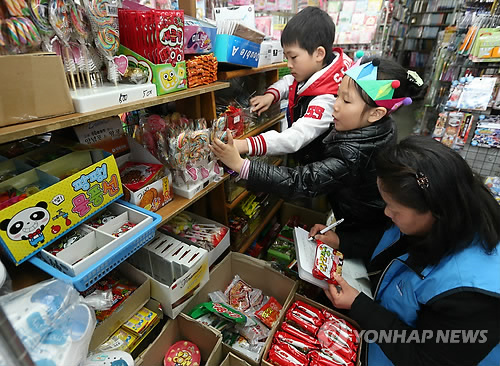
(463, 208)
(310, 28)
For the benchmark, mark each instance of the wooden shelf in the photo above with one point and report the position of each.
(248, 241)
(16, 132)
(230, 206)
(263, 127)
(181, 203)
(226, 75)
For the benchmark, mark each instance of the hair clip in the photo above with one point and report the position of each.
(414, 78)
(422, 180)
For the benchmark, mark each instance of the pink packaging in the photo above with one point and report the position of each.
(199, 36)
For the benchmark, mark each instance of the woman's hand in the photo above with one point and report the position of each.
(342, 296)
(227, 153)
(329, 238)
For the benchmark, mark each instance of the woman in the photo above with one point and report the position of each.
(440, 296)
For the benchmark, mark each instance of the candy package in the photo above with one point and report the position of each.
(137, 175)
(327, 262)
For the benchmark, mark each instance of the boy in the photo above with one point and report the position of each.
(316, 72)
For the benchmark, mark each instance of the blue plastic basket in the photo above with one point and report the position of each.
(95, 272)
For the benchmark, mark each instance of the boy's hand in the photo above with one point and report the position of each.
(261, 103)
(242, 146)
(343, 295)
(227, 153)
(329, 238)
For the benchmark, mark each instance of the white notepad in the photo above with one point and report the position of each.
(353, 270)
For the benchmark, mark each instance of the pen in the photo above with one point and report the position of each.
(336, 223)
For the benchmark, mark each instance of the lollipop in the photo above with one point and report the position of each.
(39, 11)
(20, 31)
(81, 27)
(105, 28)
(30, 31)
(59, 19)
(12, 32)
(15, 7)
(2, 39)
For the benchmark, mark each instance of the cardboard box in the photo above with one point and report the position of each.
(155, 195)
(219, 249)
(256, 273)
(183, 328)
(307, 216)
(318, 306)
(33, 87)
(62, 205)
(167, 78)
(128, 308)
(232, 360)
(236, 50)
(175, 297)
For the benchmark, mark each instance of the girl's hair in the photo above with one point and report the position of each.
(423, 174)
(391, 70)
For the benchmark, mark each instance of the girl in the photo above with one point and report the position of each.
(446, 237)
(362, 126)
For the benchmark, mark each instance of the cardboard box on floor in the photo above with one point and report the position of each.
(307, 216)
(318, 306)
(256, 273)
(129, 307)
(232, 360)
(174, 298)
(33, 87)
(183, 328)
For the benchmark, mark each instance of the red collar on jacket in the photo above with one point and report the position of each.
(328, 82)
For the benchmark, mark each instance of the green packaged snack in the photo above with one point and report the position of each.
(218, 309)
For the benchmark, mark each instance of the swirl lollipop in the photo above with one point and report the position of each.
(59, 19)
(82, 30)
(105, 29)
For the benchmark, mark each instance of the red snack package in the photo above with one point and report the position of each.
(307, 317)
(293, 317)
(182, 353)
(320, 359)
(327, 262)
(290, 329)
(309, 309)
(329, 338)
(270, 312)
(137, 175)
(286, 355)
(341, 322)
(283, 337)
(169, 36)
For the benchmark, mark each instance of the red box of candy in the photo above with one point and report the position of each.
(314, 335)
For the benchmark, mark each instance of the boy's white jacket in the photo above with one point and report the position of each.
(323, 85)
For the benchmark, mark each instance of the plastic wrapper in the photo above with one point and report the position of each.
(331, 338)
(253, 333)
(251, 351)
(301, 345)
(270, 312)
(53, 324)
(242, 296)
(286, 355)
(293, 317)
(318, 358)
(99, 300)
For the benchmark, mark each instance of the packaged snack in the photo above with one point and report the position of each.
(318, 316)
(290, 329)
(253, 333)
(137, 175)
(103, 218)
(121, 340)
(320, 358)
(215, 321)
(330, 338)
(66, 241)
(123, 229)
(141, 321)
(286, 355)
(294, 317)
(301, 345)
(242, 296)
(270, 312)
(220, 310)
(327, 262)
(182, 353)
(243, 346)
(341, 322)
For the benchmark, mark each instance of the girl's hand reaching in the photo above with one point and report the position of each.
(228, 153)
